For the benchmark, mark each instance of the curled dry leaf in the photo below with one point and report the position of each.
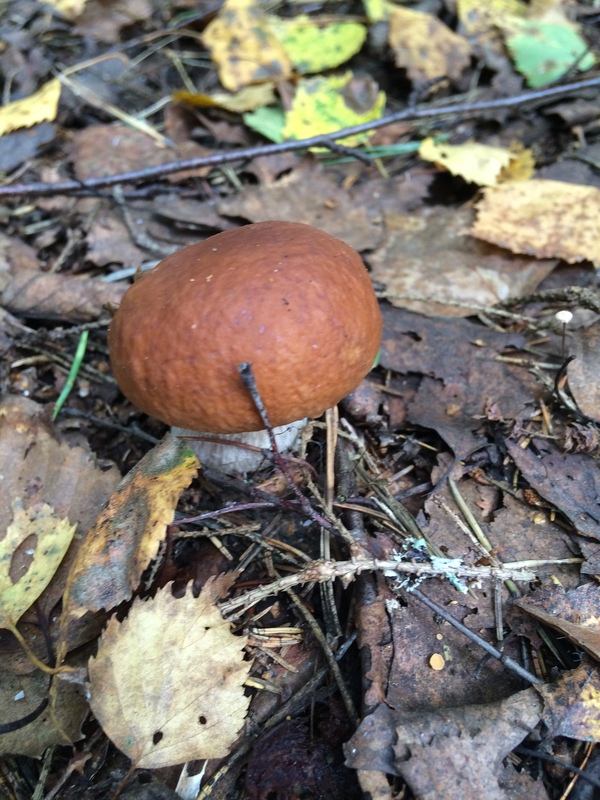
(167, 685)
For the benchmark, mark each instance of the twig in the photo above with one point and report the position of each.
(319, 571)
(508, 662)
(217, 159)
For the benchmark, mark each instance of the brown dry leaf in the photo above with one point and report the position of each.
(311, 195)
(575, 614)
(102, 150)
(50, 295)
(21, 695)
(430, 257)
(425, 47)
(584, 371)
(461, 374)
(126, 536)
(448, 752)
(570, 481)
(547, 219)
(572, 705)
(243, 47)
(103, 20)
(167, 685)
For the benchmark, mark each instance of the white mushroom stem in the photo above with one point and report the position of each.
(234, 460)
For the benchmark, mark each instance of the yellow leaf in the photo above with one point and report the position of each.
(69, 8)
(127, 534)
(476, 163)
(480, 19)
(167, 685)
(38, 107)
(53, 537)
(425, 47)
(321, 106)
(243, 47)
(547, 219)
(572, 705)
(247, 99)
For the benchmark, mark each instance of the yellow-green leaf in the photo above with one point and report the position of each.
(321, 106)
(313, 47)
(53, 537)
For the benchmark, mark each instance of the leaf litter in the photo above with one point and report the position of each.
(471, 448)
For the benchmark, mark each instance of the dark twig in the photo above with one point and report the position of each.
(508, 662)
(218, 159)
(526, 751)
(249, 382)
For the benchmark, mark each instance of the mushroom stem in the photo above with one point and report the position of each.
(222, 451)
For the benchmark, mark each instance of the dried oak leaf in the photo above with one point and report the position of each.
(547, 219)
(126, 535)
(167, 685)
(572, 705)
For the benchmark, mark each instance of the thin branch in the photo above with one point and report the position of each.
(218, 159)
(320, 571)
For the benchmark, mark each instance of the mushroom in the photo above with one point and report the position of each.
(290, 300)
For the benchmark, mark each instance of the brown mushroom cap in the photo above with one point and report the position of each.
(291, 300)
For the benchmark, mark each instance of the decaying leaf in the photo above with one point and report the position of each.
(247, 99)
(477, 163)
(425, 47)
(572, 705)
(52, 536)
(38, 107)
(547, 219)
(243, 46)
(167, 685)
(574, 614)
(321, 106)
(126, 536)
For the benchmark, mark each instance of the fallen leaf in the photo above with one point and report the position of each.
(547, 219)
(126, 536)
(572, 705)
(38, 107)
(71, 9)
(570, 481)
(543, 51)
(315, 46)
(167, 684)
(52, 539)
(476, 163)
(574, 614)
(425, 47)
(428, 262)
(243, 46)
(584, 371)
(247, 99)
(320, 107)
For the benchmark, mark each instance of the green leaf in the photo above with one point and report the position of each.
(544, 52)
(268, 121)
(314, 48)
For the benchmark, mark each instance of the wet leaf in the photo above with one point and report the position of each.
(572, 705)
(547, 219)
(247, 99)
(574, 614)
(126, 536)
(38, 107)
(167, 685)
